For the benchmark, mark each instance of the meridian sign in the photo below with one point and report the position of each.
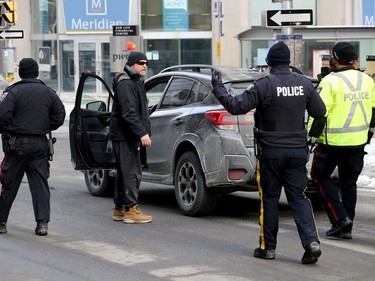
(95, 15)
(289, 17)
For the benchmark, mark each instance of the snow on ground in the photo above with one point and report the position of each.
(367, 177)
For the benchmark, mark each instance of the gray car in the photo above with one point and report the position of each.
(197, 146)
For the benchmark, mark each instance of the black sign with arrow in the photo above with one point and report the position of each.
(11, 34)
(293, 17)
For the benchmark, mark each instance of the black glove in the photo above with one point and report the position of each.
(216, 78)
(369, 137)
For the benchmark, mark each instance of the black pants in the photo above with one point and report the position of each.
(284, 167)
(350, 164)
(31, 159)
(129, 173)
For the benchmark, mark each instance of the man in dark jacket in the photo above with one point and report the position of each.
(280, 99)
(28, 111)
(129, 129)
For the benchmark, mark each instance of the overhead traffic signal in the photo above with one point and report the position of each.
(10, 13)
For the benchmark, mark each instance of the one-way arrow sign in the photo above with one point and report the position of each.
(289, 17)
(11, 34)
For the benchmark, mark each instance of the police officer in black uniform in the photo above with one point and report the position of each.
(280, 99)
(28, 111)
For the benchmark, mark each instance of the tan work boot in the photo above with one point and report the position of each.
(118, 214)
(135, 215)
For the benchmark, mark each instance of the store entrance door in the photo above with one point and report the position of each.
(93, 57)
(84, 56)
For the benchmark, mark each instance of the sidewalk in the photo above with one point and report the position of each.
(68, 99)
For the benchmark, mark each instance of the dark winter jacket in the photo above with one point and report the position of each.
(130, 119)
(281, 100)
(29, 107)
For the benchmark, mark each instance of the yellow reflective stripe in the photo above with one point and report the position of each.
(349, 83)
(261, 213)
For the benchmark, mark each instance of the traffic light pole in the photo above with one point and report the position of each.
(9, 18)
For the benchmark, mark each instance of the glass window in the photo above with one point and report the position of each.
(155, 93)
(197, 17)
(174, 52)
(67, 65)
(177, 93)
(203, 92)
(45, 53)
(312, 53)
(106, 70)
(196, 51)
(44, 16)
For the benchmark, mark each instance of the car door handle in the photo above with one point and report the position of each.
(178, 122)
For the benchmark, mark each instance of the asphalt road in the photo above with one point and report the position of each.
(84, 243)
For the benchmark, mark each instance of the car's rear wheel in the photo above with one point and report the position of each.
(192, 195)
(98, 182)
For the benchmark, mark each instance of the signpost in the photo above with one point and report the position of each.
(11, 34)
(292, 17)
(286, 19)
(125, 30)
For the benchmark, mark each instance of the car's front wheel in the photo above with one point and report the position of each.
(98, 182)
(192, 195)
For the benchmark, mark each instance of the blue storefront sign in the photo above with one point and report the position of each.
(175, 15)
(368, 12)
(95, 15)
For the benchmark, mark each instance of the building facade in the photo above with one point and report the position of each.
(68, 37)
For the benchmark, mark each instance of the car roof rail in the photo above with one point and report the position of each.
(189, 67)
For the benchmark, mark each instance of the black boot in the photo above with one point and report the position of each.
(264, 254)
(3, 227)
(312, 253)
(41, 228)
(339, 226)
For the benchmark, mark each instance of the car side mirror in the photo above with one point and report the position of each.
(96, 106)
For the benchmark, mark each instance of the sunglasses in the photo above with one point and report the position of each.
(142, 62)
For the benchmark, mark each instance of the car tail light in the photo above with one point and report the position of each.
(222, 119)
(236, 174)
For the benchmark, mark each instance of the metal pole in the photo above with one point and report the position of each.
(287, 4)
(295, 45)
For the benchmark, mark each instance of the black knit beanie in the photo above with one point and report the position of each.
(135, 57)
(28, 68)
(278, 54)
(344, 53)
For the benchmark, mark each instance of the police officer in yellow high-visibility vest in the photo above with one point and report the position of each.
(349, 96)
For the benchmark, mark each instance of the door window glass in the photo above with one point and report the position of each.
(91, 101)
(155, 92)
(178, 93)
